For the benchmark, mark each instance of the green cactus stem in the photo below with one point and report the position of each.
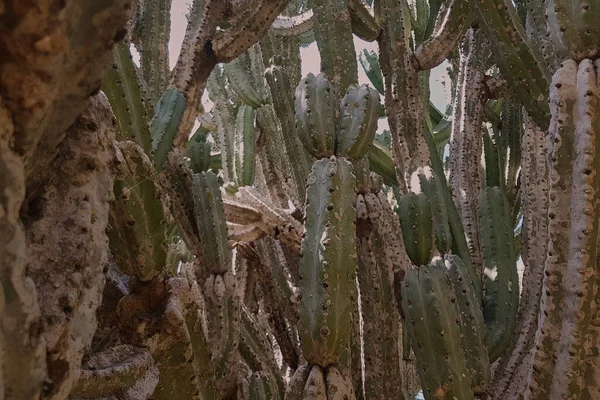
(432, 323)
(244, 160)
(211, 223)
(501, 281)
(165, 123)
(520, 63)
(198, 150)
(333, 30)
(359, 114)
(472, 326)
(363, 23)
(137, 230)
(416, 220)
(328, 264)
(151, 34)
(432, 187)
(380, 253)
(315, 110)
(122, 87)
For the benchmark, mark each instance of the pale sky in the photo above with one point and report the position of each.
(309, 56)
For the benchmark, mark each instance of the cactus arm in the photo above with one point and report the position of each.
(280, 299)
(333, 31)
(402, 97)
(280, 86)
(571, 374)
(241, 81)
(244, 233)
(223, 302)
(137, 230)
(501, 298)
(328, 264)
(338, 384)
(364, 24)
(466, 144)
(198, 151)
(380, 162)
(451, 24)
(573, 27)
(239, 213)
(246, 29)
(493, 177)
(520, 63)
(370, 64)
(164, 124)
(275, 222)
(196, 60)
(381, 327)
(225, 120)
(211, 223)
(121, 86)
(294, 25)
(176, 178)
(431, 321)
(416, 221)
(295, 388)
(535, 27)
(432, 187)
(472, 326)
(359, 114)
(151, 38)
(283, 51)
(315, 109)
(276, 154)
(244, 160)
(256, 348)
(315, 388)
(512, 372)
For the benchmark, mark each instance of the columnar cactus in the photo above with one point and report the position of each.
(285, 238)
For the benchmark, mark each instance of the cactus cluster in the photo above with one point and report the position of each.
(276, 242)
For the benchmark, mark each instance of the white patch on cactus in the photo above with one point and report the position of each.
(491, 273)
(135, 55)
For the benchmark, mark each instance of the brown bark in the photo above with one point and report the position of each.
(54, 54)
(67, 244)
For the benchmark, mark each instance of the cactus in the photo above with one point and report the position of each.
(416, 221)
(359, 113)
(165, 123)
(316, 122)
(501, 285)
(285, 238)
(328, 265)
(244, 144)
(472, 325)
(432, 323)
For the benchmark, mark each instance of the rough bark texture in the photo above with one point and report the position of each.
(466, 143)
(21, 348)
(121, 373)
(54, 54)
(378, 258)
(67, 243)
(510, 380)
(403, 101)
